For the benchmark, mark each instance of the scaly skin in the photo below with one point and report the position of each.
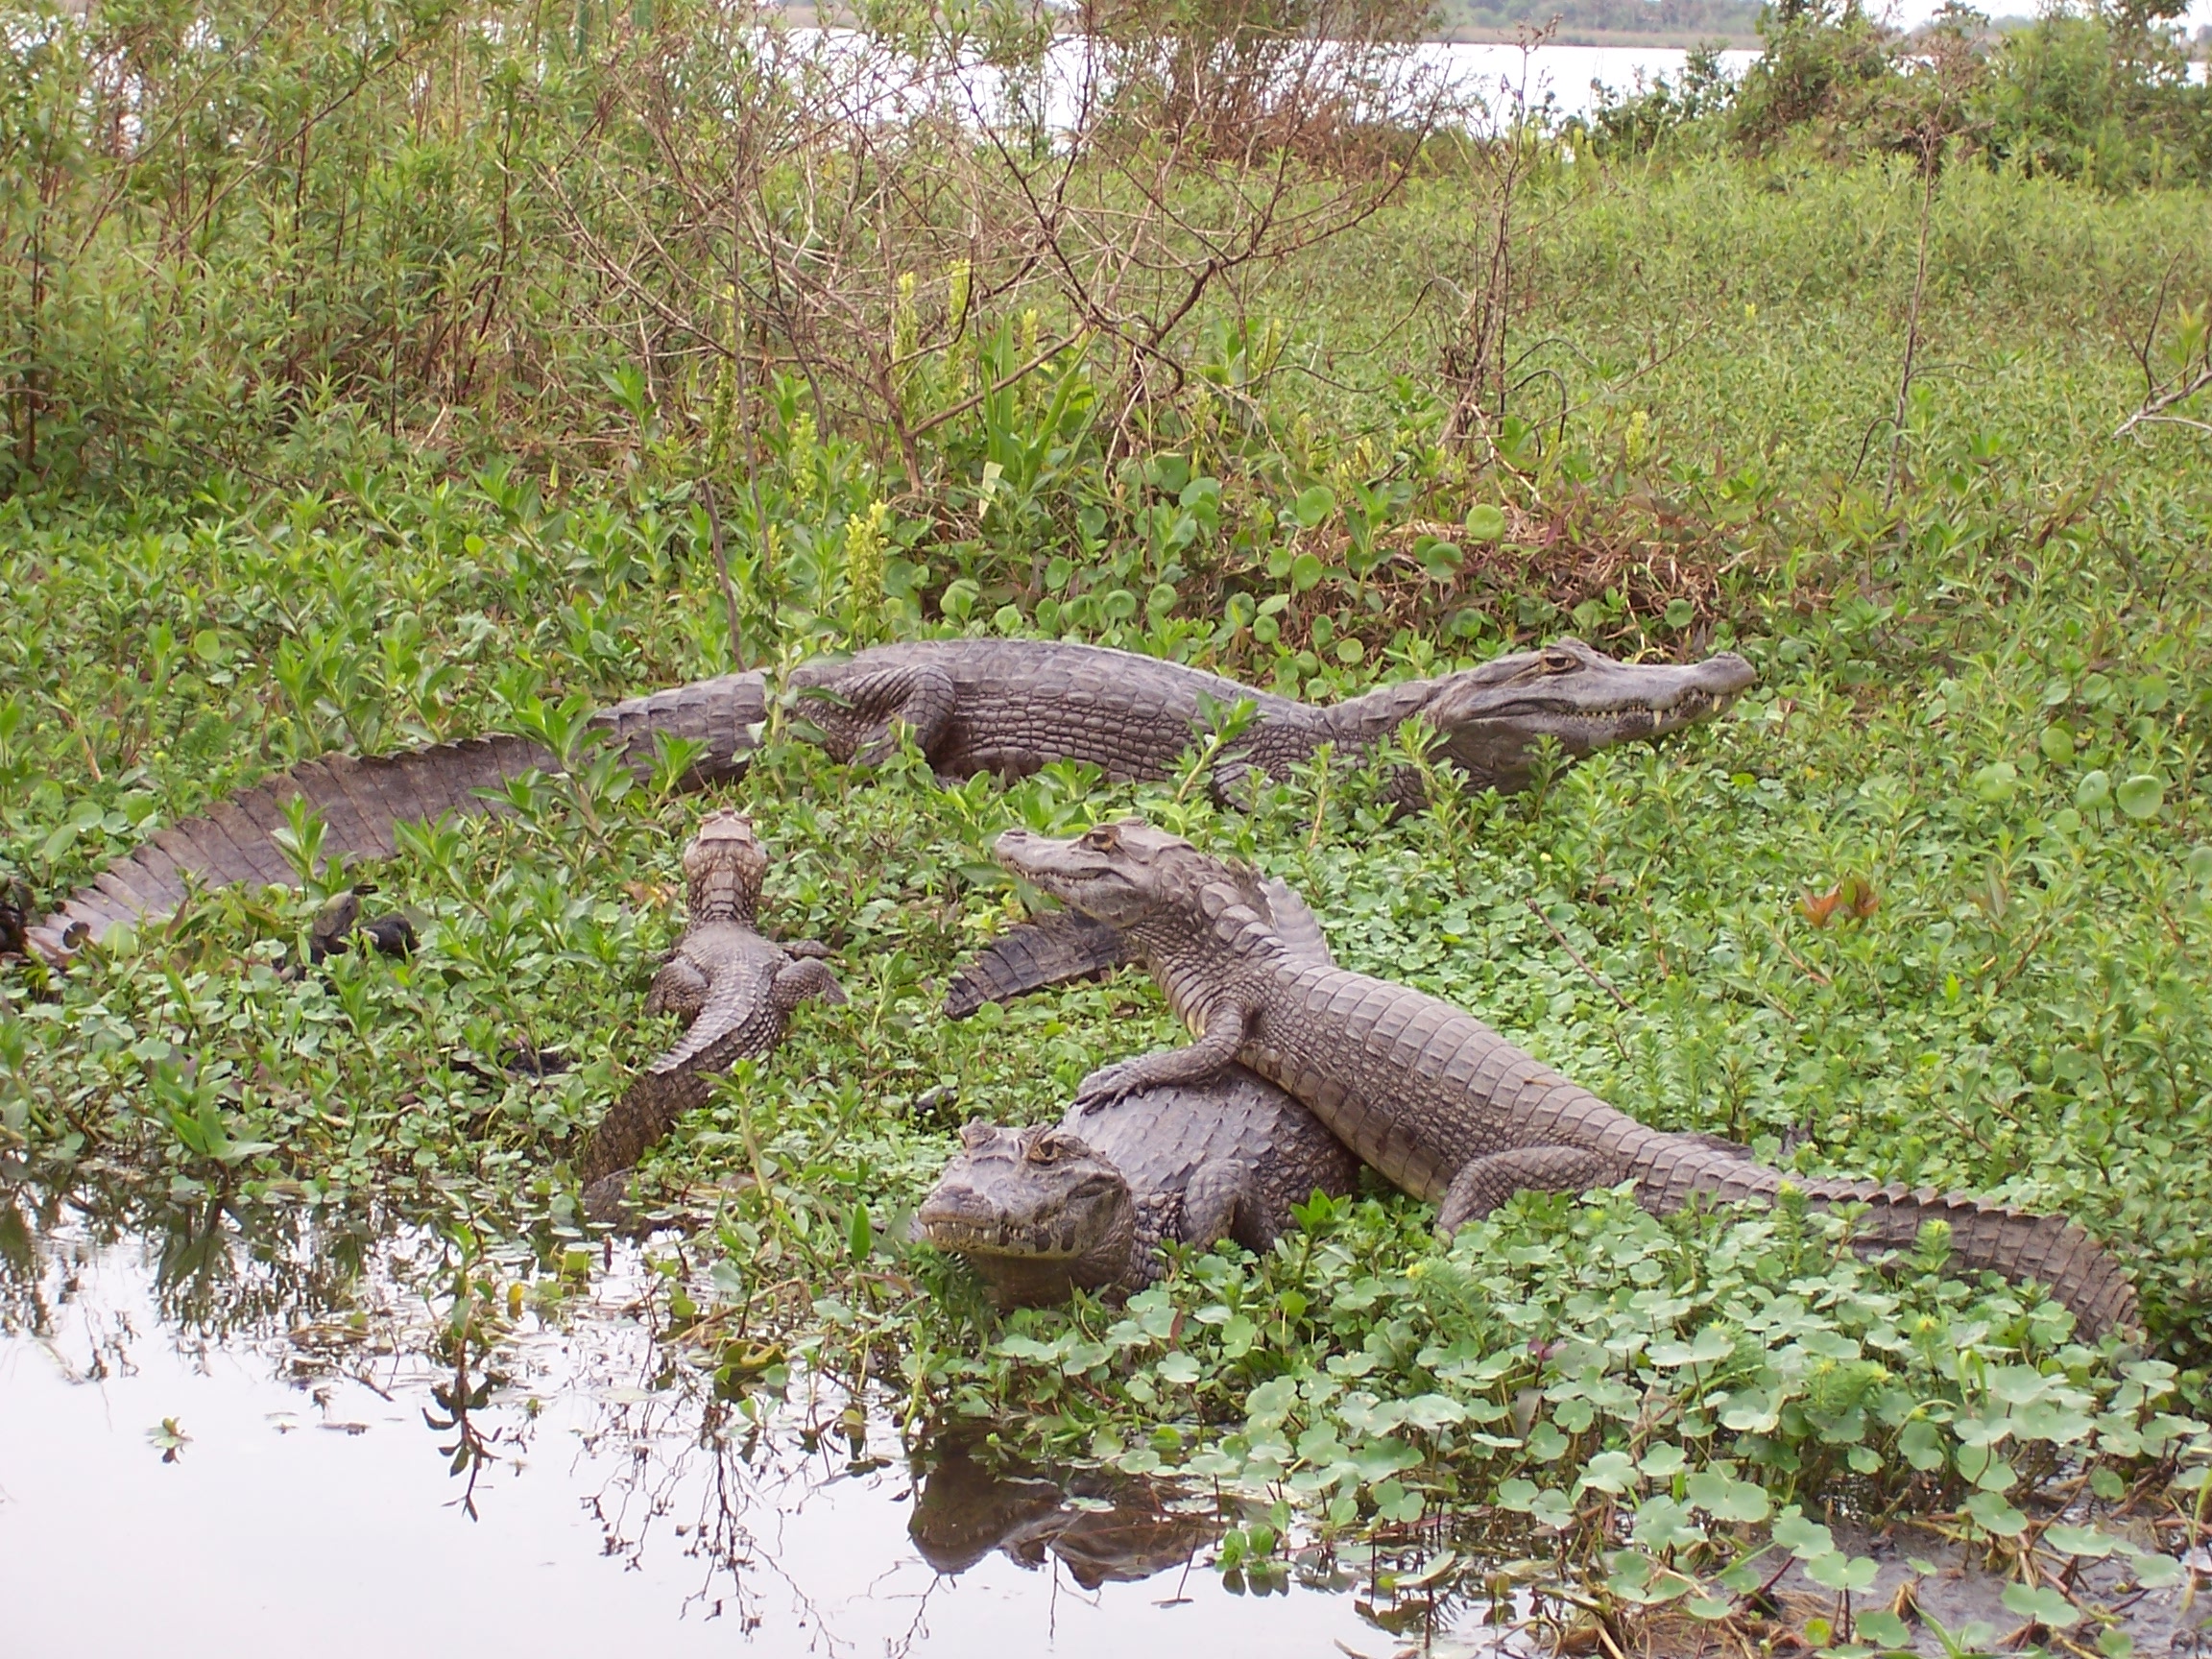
(1437, 1101)
(1008, 706)
(1013, 706)
(1041, 1212)
(1063, 945)
(735, 989)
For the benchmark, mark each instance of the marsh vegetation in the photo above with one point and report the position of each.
(382, 373)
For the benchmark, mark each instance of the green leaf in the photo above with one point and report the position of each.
(2058, 745)
(1802, 1537)
(2159, 1572)
(1883, 1629)
(2141, 796)
(1996, 1514)
(2084, 1541)
(1726, 1498)
(1997, 780)
(1305, 571)
(1922, 1444)
(1554, 1509)
(2017, 1385)
(1313, 506)
(2045, 1604)
(1179, 1369)
(2094, 791)
(1485, 523)
(1838, 1572)
(1608, 1472)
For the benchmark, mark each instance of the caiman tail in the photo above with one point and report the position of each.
(2049, 1249)
(362, 801)
(1059, 947)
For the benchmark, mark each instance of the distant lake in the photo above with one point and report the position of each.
(1494, 73)
(1567, 73)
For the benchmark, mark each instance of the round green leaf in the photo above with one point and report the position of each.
(1305, 572)
(2045, 1604)
(1314, 505)
(2095, 790)
(1485, 523)
(1680, 614)
(1996, 782)
(2141, 796)
(2058, 745)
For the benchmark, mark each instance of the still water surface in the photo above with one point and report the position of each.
(312, 1504)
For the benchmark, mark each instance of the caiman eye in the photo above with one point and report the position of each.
(1103, 839)
(1557, 661)
(1049, 1148)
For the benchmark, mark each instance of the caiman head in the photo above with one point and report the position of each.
(1489, 718)
(1035, 1212)
(723, 869)
(1125, 874)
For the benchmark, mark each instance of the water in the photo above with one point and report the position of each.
(212, 1444)
(317, 1494)
(1570, 77)
(868, 83)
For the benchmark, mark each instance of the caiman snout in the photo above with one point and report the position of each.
(1726, 675)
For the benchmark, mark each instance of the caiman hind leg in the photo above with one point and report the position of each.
(1485, 1183)
(680, 989)
(799, 979)
(859, 716)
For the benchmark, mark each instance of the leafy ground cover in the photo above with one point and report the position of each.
(1929, 905)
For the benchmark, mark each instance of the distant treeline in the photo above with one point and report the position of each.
(2109, 98)
(1674, 19)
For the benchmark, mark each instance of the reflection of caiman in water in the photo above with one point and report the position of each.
(1098, 1528)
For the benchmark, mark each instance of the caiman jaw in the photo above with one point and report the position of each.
(1097, 874)
(1492, 718)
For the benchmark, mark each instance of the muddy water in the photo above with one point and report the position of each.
(316, 1491)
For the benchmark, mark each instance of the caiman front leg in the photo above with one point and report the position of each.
(1197, 1063)
(1483, 1185)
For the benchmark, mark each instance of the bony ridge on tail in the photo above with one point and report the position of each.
(1435, 1099)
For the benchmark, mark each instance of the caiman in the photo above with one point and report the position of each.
(1085, 1204)
(1100, 1527)
(1007, 706)
(1435, 1100)
(735, 989)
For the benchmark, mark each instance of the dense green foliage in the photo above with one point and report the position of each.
(2105, 96)
(289, 493)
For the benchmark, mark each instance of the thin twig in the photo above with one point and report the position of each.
(722, 560)
(1596, 978)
